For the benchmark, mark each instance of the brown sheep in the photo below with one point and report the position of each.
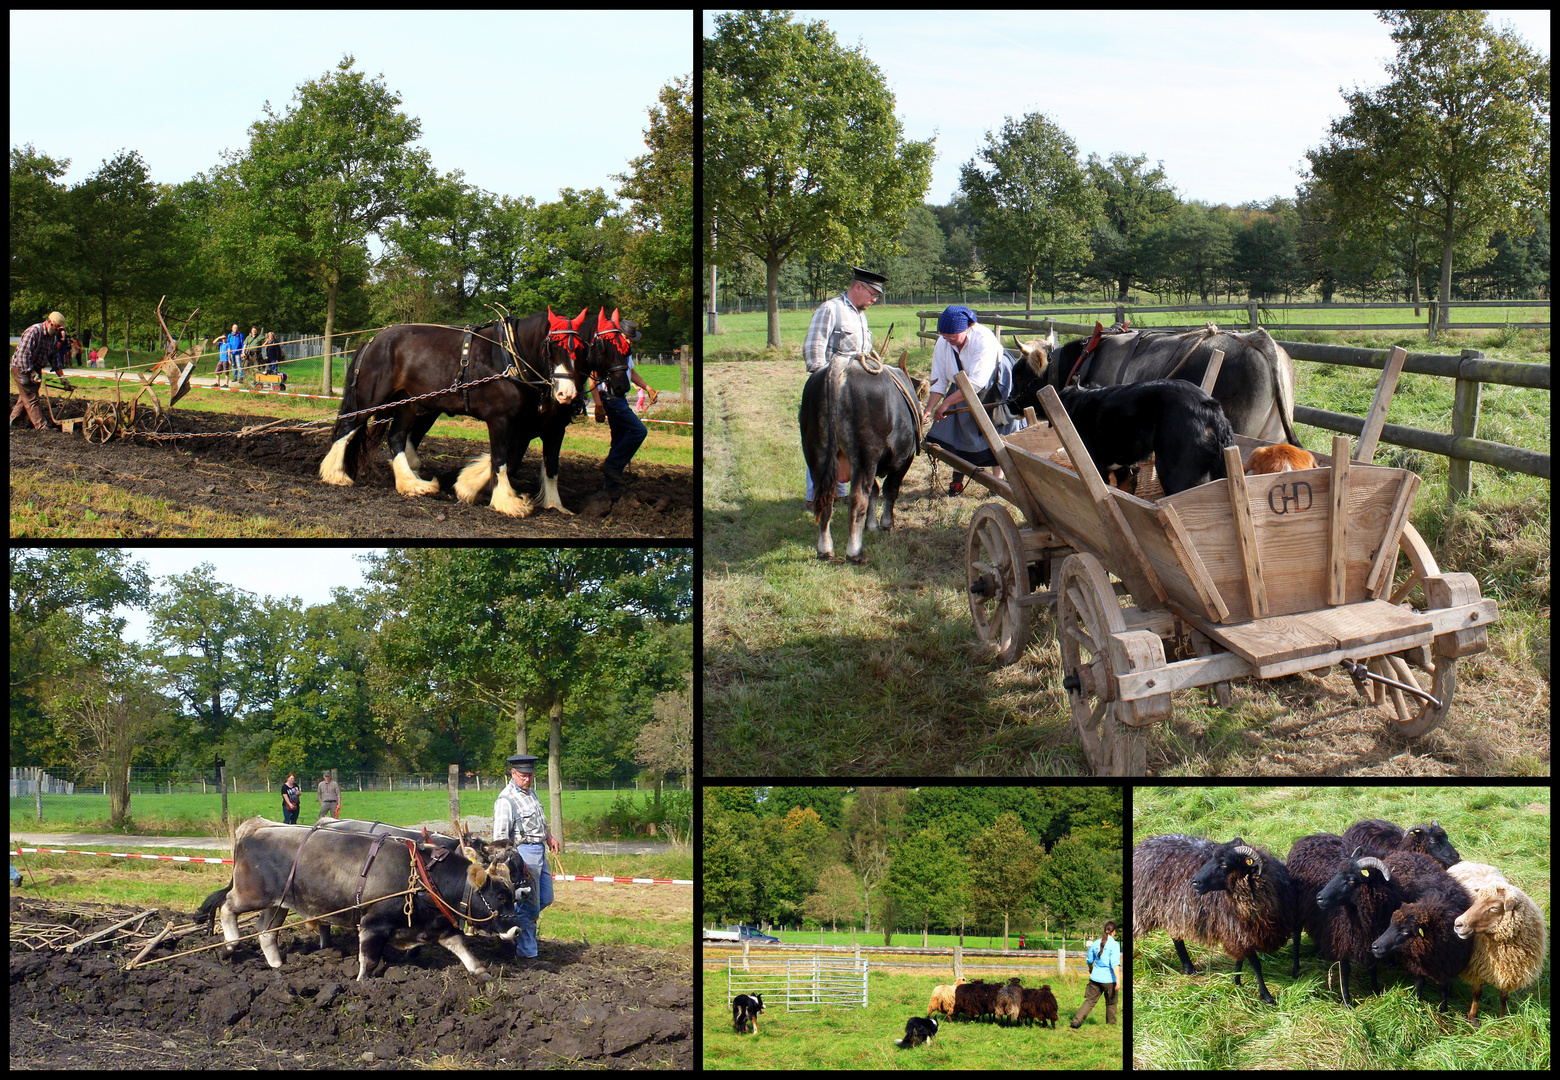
(1508, 942)
(1040, 1005)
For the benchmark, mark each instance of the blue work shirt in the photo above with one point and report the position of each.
(1103, 962)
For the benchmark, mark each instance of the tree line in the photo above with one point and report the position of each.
(1444, 168)
(942, 859)
(277, 233)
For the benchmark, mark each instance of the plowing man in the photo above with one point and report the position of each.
(39, 346)
(518, 817)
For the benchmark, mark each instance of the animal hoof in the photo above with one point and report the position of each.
(825, 554)
(857, 559)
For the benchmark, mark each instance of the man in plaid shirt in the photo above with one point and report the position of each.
(839, 328)
(40, 345)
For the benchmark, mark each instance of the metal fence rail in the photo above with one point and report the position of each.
(802, 983)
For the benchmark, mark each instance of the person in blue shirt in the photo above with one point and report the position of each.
(235, 343)
(1104, 958)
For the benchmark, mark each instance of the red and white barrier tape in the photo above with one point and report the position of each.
(120, 855)
(229, 862)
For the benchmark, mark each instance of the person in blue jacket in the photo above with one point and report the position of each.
(1104, 956)
(236, 352)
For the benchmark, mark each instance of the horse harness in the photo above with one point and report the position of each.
(505, 342)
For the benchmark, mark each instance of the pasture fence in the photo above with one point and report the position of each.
(1470, 369)
(801, 983)
(30, 780)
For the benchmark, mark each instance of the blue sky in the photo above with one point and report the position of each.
(1229, 101)
(524, 103)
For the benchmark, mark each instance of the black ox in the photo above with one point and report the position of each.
(1255, 388)
(408, 360)
(871, 421)
(317, 872)
(1175, 421)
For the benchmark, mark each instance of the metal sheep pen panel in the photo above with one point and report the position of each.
(801, 983)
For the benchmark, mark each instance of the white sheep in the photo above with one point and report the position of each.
(1476, 875)
(1508, 942)
(942, 999)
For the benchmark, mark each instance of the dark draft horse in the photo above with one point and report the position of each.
(606, 361)
(408, 360)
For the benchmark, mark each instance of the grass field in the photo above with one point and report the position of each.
(200, 814)
(1204, 1021)
(745, 336)
(836, 1038)
(642, 914)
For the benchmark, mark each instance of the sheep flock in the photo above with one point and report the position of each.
(1377, 894)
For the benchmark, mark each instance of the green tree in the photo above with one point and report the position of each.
(1036, 206)
(321, 177)
(802, 152)
(1456, 142)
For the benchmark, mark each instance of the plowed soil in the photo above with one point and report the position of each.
(275, 476)
(572, 1007)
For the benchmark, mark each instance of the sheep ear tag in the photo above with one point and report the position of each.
(1421, 931)
(1364, 873)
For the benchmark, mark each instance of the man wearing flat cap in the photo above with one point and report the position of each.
(40, 346)
(518, 817)
(839, 329)
(963, 344)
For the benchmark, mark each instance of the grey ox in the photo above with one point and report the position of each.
(278, 867)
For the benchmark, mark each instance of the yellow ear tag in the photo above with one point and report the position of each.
(1365, 873)
(1421, 931)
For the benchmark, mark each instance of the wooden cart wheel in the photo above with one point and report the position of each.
(1435, 674)
(998, 580)
(1087, 614)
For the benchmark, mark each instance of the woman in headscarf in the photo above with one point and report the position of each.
(965, 345)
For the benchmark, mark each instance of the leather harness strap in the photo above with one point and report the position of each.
(293, 872)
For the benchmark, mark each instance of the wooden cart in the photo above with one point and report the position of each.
(1264, 576)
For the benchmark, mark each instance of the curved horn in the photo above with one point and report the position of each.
(1250, 853)
(1386, 875)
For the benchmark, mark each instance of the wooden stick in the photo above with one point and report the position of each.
(109, 930)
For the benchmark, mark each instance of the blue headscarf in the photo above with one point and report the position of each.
(955, 317)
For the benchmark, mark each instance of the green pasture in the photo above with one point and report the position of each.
(745, 336)
(836, 1038)
(200, 815)
(1204, 1021)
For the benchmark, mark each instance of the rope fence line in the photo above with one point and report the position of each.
(87, 374)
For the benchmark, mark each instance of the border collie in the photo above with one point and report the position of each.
(918, 1031)
(745, 1010)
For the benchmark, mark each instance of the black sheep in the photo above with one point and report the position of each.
(1421, 933)
(1234, 895)
(974, 999)
(1380, 838)
(1312, 862)
(1040, 1005)
(1356, 906)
